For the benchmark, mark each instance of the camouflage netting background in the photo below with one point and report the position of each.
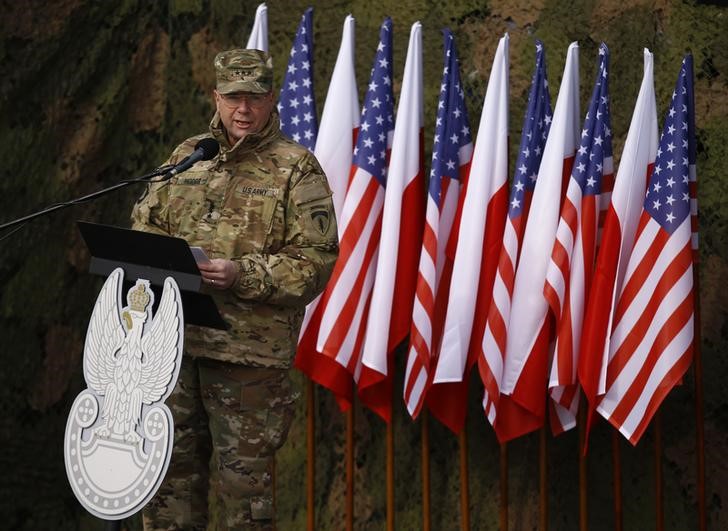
(94, 92)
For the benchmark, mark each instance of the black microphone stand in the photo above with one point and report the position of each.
(161, 171)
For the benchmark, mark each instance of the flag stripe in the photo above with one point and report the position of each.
(349, 280)
(654, 379)
(640, 317)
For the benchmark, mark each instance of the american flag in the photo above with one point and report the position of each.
(533, 139)
(296, 105)
(479, 236)
(572, 260)
(652, 339)
(345, 301)
(334, 151)
(451, 154)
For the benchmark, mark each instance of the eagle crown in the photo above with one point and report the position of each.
(138, 298)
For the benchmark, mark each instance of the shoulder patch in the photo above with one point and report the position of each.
(321, 218)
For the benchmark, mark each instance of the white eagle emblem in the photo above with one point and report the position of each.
(119, 433)
(122, 363)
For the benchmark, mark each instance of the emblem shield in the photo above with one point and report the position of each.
(119, 432)
(321, 218)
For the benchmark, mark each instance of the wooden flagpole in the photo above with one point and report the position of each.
(583, 470)
(390, 475)
(350, 468)
(659, 509)
(543, 481)
(617, 480)
(425, 438)
(699, 406)
(310, 456)
(503, 487)
(464, 481)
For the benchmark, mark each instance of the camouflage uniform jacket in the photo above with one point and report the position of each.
(265, 204)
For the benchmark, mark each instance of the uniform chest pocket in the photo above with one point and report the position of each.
(249, 212)
(188, 203)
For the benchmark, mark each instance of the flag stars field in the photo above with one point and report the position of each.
(296, 105)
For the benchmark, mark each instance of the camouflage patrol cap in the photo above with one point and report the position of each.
(241, 70)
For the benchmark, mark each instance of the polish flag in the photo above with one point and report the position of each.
(620, 226)
(390, 310)
(536, 125)
(523, 385)
(478, 241)
(258, 39)
(340, 120)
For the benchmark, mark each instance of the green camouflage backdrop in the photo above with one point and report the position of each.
(93, 92)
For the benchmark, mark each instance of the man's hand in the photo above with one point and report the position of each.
(219, 273)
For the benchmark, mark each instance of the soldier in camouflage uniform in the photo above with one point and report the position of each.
(262, 211)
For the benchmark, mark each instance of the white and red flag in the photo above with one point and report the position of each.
(340, 120)
(297, 102)
(399, 246)
(329, 349)
(618, 235)
(521, 407)
(651, 343)
(451, 154)
(569, 273)
(258, 39)
(536, 125)
(479, 240)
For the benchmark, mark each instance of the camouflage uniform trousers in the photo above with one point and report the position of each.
(229, 421)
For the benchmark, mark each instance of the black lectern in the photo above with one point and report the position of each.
(153, 257)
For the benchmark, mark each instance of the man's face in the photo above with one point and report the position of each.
(243, 113)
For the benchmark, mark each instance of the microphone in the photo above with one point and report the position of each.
(205, 149)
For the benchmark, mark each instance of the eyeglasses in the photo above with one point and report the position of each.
(251, 100)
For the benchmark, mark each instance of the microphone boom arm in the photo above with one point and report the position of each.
(163, 170)
(206, 149)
